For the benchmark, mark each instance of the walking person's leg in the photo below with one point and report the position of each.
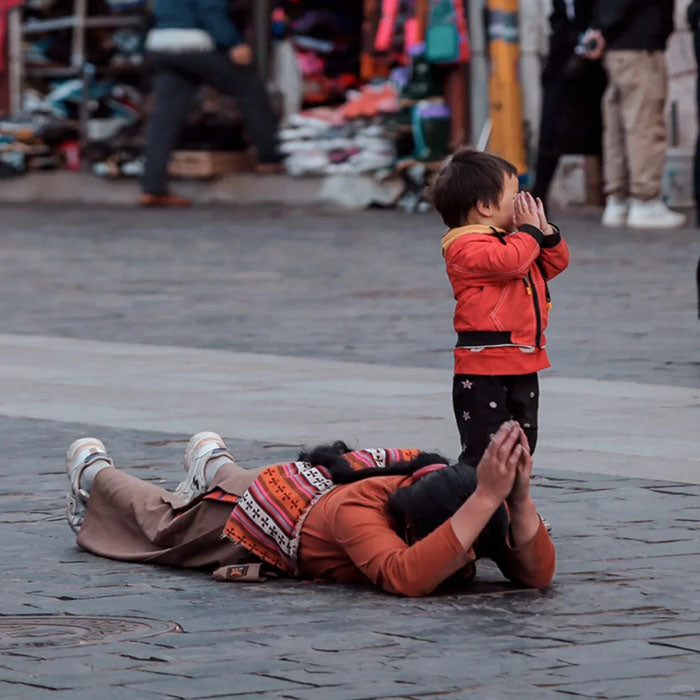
(696, 163)
(644, 86)
(548, 147)
(172, 93)
(615, 167)
(242, 82)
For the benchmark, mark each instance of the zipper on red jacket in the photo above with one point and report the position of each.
(538, 316)
(547, 295)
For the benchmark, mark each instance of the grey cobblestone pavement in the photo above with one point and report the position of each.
(373, 282)
(623, 616)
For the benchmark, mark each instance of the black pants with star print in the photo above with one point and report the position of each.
(482, 403)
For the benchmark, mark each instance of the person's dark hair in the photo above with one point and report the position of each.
(467, 178)
(433, 499)
(428, 502)
(331, 457)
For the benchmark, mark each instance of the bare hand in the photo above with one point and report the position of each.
(497, 468)
(520, 493)
(241, 55)
(525, 211)
(594, 36)
(544, 226)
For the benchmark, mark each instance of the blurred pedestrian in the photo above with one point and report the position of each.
(195, 42)
(694, 22)
(633, 34)
(693, 15)
(573, 87)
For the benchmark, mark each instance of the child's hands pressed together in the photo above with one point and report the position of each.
(525, 211)
(543, 226)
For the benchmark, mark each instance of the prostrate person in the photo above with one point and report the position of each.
(399, 519)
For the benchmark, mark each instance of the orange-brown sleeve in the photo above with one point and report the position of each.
(365, 533)
(532, 563)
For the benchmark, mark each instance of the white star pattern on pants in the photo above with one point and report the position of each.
(466, 384)
(466, 415)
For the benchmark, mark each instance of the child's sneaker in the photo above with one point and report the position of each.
(201, 448)
(81, 454)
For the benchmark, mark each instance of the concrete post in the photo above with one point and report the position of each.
(478, 70)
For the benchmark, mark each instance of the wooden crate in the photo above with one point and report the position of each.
(208, 164)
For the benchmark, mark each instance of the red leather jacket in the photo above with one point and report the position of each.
(499, 280)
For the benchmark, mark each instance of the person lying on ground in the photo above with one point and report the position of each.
(403, 520)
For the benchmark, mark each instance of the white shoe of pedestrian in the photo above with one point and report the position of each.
(654, 214)
(615, 213)
(81, 454)
(201, 448)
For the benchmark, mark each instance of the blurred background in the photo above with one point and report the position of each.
(369, 96)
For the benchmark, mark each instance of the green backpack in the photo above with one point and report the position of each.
(446, 39)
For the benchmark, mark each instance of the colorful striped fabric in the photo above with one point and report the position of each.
(268, 518)
(366, 459)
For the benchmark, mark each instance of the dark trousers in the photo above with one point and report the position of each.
(482, 403)
(176, 77)
(696, 173)
(696, 169)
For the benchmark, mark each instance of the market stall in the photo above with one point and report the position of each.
(361, 88)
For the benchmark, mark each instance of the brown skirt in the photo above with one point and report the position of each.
(133, 520)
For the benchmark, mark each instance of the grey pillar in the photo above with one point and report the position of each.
(478, 70)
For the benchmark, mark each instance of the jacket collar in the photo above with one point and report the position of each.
(454, 233)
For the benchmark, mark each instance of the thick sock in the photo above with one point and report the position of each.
(213, 466)
(89, 474)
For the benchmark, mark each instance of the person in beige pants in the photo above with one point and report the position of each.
(631, 36)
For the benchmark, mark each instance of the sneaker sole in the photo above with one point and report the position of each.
(657, 227)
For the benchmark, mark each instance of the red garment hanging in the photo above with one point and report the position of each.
(5, 7)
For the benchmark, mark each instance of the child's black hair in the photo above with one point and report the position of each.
(467, 178)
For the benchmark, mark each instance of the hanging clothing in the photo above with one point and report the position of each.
(5, 7)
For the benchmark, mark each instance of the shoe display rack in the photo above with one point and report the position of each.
(21, 30)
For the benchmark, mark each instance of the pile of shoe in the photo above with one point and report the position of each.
(37, 143)
(350, 139)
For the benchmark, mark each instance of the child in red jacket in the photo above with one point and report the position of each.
(499, 252)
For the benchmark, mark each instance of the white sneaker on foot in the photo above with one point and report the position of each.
(201, 448)
(615, 213)
(653, 213)
(81, 454)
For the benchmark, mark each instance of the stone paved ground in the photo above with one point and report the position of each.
(623, 617)
(372, 282)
